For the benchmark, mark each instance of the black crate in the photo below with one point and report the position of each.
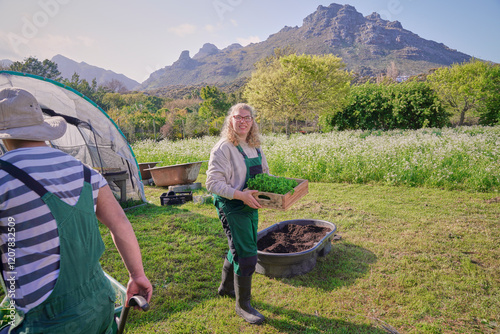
(172, 198)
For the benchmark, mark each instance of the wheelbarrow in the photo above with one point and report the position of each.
(121, 311)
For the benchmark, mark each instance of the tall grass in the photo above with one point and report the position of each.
(174, 152)
(464, 158)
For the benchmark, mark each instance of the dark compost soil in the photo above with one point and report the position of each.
(292, 238)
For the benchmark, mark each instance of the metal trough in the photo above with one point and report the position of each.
(293, 264)
(175, 174)
(146, 174)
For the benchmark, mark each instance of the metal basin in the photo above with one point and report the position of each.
(293, 264)
(146, 174)
(175, 174)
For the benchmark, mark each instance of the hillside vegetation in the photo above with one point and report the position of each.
(303, 93)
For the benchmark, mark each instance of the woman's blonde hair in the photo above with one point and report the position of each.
(253, 137)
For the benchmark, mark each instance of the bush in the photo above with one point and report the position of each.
(489, 111)
(411, 105)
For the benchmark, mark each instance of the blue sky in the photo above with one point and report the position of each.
(136, 38)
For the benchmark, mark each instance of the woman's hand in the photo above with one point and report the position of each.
(247, 198)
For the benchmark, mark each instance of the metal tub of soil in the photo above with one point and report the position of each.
(286, 264)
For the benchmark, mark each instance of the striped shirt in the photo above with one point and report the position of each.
(27, 224)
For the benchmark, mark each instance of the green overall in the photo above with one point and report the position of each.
(82, 300)
(240, 222)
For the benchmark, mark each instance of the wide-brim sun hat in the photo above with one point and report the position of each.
(21, 117)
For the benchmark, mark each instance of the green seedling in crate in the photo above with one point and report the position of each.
(272, 184)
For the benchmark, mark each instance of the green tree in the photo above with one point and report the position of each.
(215, 103)
(175, 123)
(138, 115)
(415, 105)
(463, 87)
(147, 117)
(194, 126)
(91, 90)
(154, 102)
(409, 105)
(489, 111)
(214, 108)
(298, 87)
(113, 101)
(367, 108)
(32, 65)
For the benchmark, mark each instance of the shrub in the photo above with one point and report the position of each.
(411, 105)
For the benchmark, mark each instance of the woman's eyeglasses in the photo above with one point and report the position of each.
(247, 119)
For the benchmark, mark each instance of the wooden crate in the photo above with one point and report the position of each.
(283, 202)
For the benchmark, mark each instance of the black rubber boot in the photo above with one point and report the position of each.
(243, 289)
(226, 287)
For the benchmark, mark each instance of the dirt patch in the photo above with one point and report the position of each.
(292, 238)
(493, 200)
(312, 206)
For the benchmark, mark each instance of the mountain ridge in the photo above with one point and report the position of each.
(68, 67)
(367, 45)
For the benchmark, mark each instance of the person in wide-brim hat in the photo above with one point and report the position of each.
(21, 118)
(55, 202)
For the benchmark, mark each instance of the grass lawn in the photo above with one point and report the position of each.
(411, 260)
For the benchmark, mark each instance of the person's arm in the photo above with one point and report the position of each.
(221, 170)
(248, 198)
(110, 213)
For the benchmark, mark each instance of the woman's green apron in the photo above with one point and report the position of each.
(82, 300)
(240, 222)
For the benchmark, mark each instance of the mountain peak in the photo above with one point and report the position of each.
(376, 18)
(185, 62)
(206, 50)
(341, 21)
(232, 47)
(322, 13)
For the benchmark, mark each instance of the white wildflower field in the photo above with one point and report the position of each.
(464, 158)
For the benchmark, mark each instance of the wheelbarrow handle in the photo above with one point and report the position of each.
(140, 301)
(136, 300)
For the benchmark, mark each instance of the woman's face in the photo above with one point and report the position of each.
(242, 122)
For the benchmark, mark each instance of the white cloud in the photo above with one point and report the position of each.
(43, 46)
(6, 51)
(183, 30)
(210, 28)
(234, 22)
(59, 41)
(86, 41)
(213, 28)
(51, 45)
(248, 40)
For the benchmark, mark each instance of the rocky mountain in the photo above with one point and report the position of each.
(5, 63)
(367, 44)
(68, 67)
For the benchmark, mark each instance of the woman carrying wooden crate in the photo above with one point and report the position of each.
(235, 159)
